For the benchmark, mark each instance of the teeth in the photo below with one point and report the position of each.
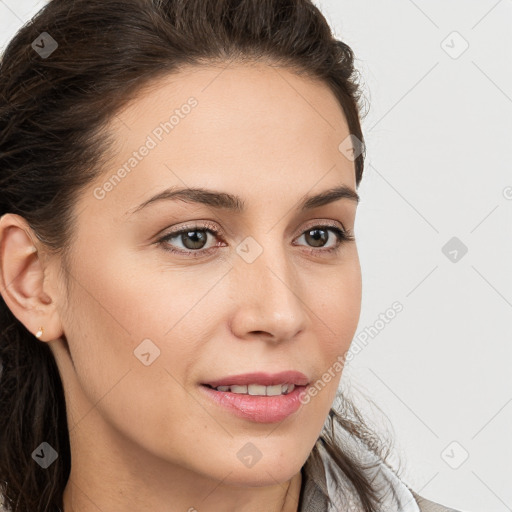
(259, 389)
(256, 389)
(274, 390)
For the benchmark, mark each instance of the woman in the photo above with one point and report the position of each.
(160, 160)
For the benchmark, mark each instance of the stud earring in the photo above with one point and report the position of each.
(39, 333)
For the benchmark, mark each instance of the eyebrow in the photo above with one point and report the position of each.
(235, 204)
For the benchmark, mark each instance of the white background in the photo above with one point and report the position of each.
(439, 161)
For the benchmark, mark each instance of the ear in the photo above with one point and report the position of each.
(23, 283)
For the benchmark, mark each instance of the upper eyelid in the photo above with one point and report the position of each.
(209, 226)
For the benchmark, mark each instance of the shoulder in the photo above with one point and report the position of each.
(430, 506)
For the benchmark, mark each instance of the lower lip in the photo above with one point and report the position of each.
(260, 409)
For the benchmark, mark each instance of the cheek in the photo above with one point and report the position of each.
(337, 310)
(122, 315)
(336, 306)
(147, 403)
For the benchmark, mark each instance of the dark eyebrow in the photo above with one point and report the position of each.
(225, 201)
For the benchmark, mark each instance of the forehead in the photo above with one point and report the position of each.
(256, 125)
(240, 86)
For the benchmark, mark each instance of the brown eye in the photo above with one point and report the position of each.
(317, 237)
(191, 239)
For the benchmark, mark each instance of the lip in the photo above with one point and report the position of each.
(265, 379)
(259, 409)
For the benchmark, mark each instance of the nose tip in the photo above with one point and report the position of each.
(269, 304)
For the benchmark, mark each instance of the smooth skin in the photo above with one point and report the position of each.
(145, 437)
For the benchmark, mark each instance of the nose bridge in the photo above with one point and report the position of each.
(269, 285)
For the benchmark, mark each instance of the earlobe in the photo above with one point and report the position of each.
(22, 279)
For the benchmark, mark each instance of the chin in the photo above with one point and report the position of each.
(265, 475)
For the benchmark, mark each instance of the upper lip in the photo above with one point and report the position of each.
(265, 379)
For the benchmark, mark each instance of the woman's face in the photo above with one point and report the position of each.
(145, 328)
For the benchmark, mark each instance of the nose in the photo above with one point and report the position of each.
(269, 300)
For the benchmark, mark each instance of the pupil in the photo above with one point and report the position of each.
(197, 241)
(317, 237)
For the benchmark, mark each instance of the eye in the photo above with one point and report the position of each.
(193, 239)
(318, 236)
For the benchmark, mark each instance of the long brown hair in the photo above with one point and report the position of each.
(53, 110)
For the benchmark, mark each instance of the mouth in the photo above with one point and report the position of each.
(257, 389)
(254, 382)
(256, 403)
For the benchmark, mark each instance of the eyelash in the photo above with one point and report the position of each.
(342, 236)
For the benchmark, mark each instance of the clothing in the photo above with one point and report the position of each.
(396, 496)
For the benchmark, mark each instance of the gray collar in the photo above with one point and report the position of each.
(312, 499)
